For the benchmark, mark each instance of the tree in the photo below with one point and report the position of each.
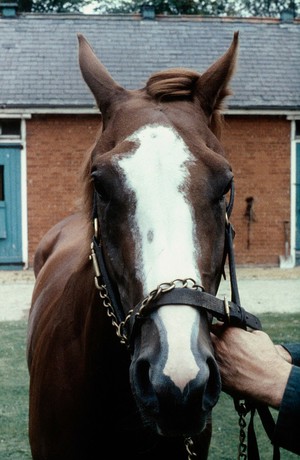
(267, 8)
(245, 8)
(52, 6)
(271, 8)
(176, 7)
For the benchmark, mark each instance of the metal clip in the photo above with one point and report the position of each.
(98, 286)
(190, 448)
(226, 219)
(96, 227)
(227, 309)
(93, 258)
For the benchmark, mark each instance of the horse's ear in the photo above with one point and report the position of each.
(97, 77)
(212, 86)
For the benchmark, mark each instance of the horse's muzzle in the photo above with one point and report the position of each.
(176, 404)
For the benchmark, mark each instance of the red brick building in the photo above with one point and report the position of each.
(48, 119)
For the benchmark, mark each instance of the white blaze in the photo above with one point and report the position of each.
(157, 173)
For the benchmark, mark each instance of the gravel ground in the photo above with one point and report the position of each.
(262, 289)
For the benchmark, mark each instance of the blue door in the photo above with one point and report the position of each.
(10, 208)
(298, 204)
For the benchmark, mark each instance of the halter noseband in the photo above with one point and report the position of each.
(177, 292)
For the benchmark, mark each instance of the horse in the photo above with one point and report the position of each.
(120, 358)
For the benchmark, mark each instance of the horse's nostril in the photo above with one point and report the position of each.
(142, 386)
(213, 387)
(142, 376)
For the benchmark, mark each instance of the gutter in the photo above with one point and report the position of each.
(27, 112)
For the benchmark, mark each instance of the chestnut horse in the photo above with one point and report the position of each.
(154, 184)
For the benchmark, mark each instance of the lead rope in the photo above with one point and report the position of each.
(243, 407)
(240, 405)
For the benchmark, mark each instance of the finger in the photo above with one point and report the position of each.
(217, 328)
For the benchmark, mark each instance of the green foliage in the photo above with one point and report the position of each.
(52, 6)
(176, 7)
(271, 8)
(267, 8)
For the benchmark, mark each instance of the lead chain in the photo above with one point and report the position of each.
(161, 288)
(242, 411)
(110, 312)
(166, 287)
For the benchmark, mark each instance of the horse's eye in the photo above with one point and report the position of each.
(228, 187)
(229, 199)
(223, 194)
(102, 188)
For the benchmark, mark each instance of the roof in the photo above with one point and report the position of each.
(39, 63)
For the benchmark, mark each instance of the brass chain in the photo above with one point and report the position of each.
(166, 287)
(121, 326)
(161, 289)
(110, 312)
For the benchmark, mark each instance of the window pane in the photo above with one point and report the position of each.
(297, 128)
(10, 127)
(1, 183)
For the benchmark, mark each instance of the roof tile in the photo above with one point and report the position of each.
(39, 63)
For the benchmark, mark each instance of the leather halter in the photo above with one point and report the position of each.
(230, 312)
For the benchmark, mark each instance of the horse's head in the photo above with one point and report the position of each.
(161, 178)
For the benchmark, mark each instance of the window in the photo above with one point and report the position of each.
(297, 133)
(10, 128)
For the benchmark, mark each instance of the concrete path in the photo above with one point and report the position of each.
(269, 295)
(261, 290)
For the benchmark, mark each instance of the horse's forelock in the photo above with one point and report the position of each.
(179, 83)
(172, 83)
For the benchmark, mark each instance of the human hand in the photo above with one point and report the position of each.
(250, 364)
(284, 353)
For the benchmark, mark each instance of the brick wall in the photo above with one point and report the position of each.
(258, 149)
(56, 146)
